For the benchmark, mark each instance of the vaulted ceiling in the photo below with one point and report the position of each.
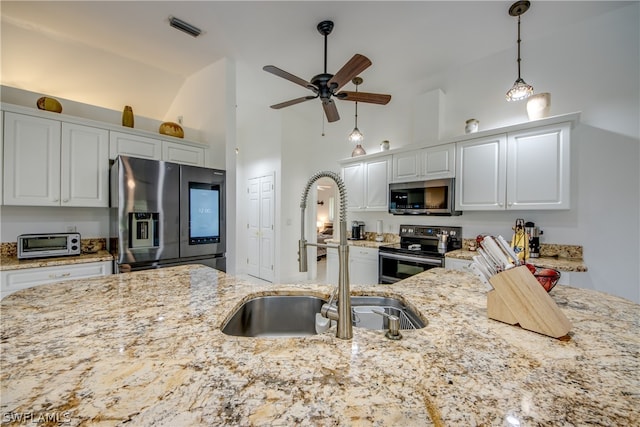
(405, 41)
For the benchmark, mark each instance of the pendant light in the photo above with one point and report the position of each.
(356, 137)
(520, 89)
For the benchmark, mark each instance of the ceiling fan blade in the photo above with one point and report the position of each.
(292, 102)
(373, 98)
(357, 64)
(288, 76)
(330, 110)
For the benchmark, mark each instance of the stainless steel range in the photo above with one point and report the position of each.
(421, 248)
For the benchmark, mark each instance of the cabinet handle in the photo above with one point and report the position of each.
(65, 201)
(57, 276)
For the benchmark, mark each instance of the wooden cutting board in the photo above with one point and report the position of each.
(518, 298)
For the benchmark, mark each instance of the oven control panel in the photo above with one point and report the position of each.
(426, 231)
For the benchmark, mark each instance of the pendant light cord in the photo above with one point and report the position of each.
(518, 47)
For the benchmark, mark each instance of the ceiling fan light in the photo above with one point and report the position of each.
(355, 136)
(520, 90)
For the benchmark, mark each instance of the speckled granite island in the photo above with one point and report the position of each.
(145, 349)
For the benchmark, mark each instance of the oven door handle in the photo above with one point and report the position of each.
(411, 258)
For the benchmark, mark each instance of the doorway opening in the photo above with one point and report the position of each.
(325, 220)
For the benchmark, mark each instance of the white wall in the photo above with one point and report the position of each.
(592, 67)
(56, 66)
(17, 220)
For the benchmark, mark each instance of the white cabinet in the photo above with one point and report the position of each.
(406, 166)
(363, 265)
(521, 170)
(134, 145)
(439, 162)
(457, 264)
(480, 173)
(125, 144)
(538, 167)
(367, 184)
(14, 280)
(184, 154)
(49, 163)
(427, 163)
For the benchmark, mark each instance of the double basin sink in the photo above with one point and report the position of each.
(295, 315)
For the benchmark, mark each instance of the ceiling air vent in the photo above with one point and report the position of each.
(184, 26)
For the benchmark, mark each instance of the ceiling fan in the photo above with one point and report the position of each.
(326, 86)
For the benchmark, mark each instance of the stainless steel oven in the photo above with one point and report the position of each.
(421, 248)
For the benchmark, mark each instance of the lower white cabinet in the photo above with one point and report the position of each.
(15, 280)
(363, 265)
(457, 264)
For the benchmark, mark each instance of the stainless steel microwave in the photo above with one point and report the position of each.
(48, 245)
(432, 197)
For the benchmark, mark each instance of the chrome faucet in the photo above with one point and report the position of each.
(342, 312)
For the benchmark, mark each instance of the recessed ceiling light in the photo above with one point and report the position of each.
(184, 26)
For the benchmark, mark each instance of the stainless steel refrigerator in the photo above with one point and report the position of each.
(165, 214)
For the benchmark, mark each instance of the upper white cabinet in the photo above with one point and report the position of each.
(538, 168)
(480, 173)
(156, 149)
(134, 145)
(49, 163)
(439, 162)
(367, 183)
(519, 170)
(184, 154)
(426, 163)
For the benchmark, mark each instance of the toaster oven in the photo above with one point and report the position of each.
(48, 245)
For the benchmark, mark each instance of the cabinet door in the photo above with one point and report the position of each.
(134, 146)
(353, 177)
(407, 166)
(184, 154)
(31, 160)
(457, 264)
(14, 280)
(84, 166)
(538, 168)
(480, 173)
(377, 177)
(439, 162)
(363, 265)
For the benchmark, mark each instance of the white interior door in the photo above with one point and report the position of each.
(260, 227)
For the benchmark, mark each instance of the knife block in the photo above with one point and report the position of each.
(518, 298)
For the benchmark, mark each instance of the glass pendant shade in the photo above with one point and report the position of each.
(358, 151)
(356, 136)
(520, 90)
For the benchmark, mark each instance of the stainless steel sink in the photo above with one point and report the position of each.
(275, 316)
(363, 307)
(294, 315)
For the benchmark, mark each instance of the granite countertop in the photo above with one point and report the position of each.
(13, 263)
(559, 263)
(145, 348)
